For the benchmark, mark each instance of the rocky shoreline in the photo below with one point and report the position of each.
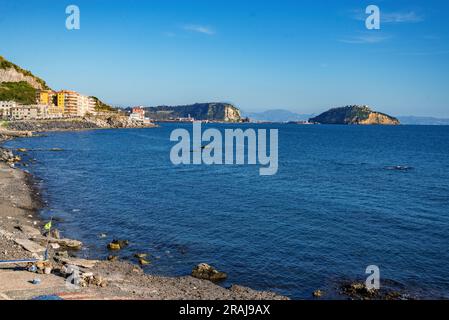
(22, 236)
(72, 124)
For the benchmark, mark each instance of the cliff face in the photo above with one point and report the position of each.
(362, 115)
(199, 111)
(10, 73)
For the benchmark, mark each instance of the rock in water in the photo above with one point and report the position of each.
(114, 246)
(207, 272)
(118, 244)
(143, 262)
(318, 293)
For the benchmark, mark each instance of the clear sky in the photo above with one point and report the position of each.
(303, 55)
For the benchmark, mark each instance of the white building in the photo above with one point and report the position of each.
(24, 113)
(5, 109)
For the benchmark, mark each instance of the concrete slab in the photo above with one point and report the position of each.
(17, 284)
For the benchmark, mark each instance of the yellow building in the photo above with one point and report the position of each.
(51, 99)
(60, 99)
(69, 100)
(44, 97)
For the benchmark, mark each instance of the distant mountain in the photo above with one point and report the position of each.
(276, 115)
(354, 115)
(215, 111)
(430, 121)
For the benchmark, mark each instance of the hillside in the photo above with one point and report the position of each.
(10, 72)
(362, 115)
(20, 85)
(21, 92)
(200, 111)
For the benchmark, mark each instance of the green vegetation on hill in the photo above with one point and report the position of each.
(354, 115)
(5, 64)
(103, 107)
(21, 92)
(199, 111)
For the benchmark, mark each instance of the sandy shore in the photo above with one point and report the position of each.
(21, 238)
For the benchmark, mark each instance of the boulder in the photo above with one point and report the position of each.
(207, 272)
(118, 244)
(143, 262)
(114, 246)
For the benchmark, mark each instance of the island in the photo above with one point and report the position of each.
(355, 115)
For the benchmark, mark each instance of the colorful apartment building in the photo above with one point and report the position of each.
(66, 103)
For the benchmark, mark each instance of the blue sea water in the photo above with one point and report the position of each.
(337, 205)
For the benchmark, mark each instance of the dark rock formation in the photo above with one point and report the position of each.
(206, 272)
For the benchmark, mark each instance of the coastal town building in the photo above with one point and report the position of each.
(29, 112)
(66, 103)
(138, 114)
(5, 108)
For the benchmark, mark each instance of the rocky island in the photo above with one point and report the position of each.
(358, 115)
(215, 111)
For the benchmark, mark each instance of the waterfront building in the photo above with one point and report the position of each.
(30, 112)
(5, 108)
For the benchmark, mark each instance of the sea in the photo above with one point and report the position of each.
(344, 198)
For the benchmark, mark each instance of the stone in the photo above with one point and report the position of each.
(143, 262)
(29, 230)
(114, 246)
(63, 254)
(30, 246)
(112, 258)
(88, 264)
(318, 293)
(54, 233)
(55, 246)
(118, 244)
(358, 291)
(65, 243)
(207, 272)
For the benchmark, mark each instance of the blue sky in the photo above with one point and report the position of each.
(303, 55)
